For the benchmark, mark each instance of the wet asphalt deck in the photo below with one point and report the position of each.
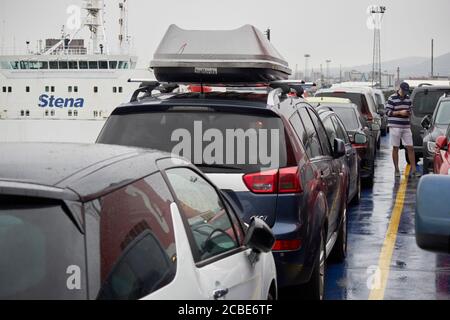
(411, 273)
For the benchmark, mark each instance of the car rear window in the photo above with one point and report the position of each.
(42, 251)
(208, 137)
(443, 113)
(424, 102)
(348, 117)
(356, 98)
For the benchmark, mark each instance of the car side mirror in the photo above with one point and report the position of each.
(360, 138)
(426, 122)
(432, 221)
(259, 236)
(381, 110)
(338, 148)
(442, 142)
(375, 127)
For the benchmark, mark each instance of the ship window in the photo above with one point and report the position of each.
(114, 89)
(15, 65)
(47, 88)
(24, 65)
(120, 89)
(113, 64)
(70, 113)
(75, 89)
(52, 89)
(73, 65)
(95, 89)
(27, 89)
(69, 89)
(4, 89)
(44, 65)
(95, 113)
(75, 113)
(9, 89)
(52, 113)
(93, 64)
(46, 113)
(34, 65)
(22, 113)
(103, 64)
(100, 114)
(27, 113)
(5, 65)
(83, 64)
(123, 65)
(63, 64)
(53, 64)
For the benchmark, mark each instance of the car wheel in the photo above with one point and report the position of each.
(426, 164)
(340, 247)
(315, 288)
(383, 132)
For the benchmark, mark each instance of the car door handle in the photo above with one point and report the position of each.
(220, 293)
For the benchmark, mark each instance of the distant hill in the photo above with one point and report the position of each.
(411, 66)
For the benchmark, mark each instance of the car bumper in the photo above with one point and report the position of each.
(293, 267)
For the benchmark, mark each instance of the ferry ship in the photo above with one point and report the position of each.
(70, 78)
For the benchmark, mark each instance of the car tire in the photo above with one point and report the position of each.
(339, 251)
(314, 289)
(383, 132)
(425, 169)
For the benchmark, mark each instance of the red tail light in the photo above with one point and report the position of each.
(286, 180)
(262, 182)
(286, 245)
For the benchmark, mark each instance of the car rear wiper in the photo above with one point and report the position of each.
(217, 166)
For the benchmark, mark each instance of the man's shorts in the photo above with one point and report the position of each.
(403, 134)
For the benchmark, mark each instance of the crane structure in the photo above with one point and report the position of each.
(376, 15)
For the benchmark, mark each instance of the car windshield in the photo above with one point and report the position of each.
(443, 113)
(348, 117)
(217, 141)
(424, 102)
(356, 98)
(42, 251)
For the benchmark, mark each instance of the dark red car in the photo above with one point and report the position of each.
(442, 155)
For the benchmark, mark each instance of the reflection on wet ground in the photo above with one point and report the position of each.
(414, 273)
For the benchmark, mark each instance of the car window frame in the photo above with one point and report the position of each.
(321, 155)
(192, 244)
(335, 119)
(330, 147)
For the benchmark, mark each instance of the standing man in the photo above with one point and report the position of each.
(398, 109)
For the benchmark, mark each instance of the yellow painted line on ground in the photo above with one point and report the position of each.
(384, 261)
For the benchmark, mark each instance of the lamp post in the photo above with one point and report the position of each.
(307, 56)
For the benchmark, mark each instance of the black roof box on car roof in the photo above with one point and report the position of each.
(242, 55)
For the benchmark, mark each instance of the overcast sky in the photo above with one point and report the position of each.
(326, 29)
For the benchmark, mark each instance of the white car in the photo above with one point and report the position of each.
(111, 222)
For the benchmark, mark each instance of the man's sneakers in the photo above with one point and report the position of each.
(415, 174)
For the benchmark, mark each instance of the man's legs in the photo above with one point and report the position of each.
(412, 158)
(395, 158)
(408, 142)
(395, 136)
